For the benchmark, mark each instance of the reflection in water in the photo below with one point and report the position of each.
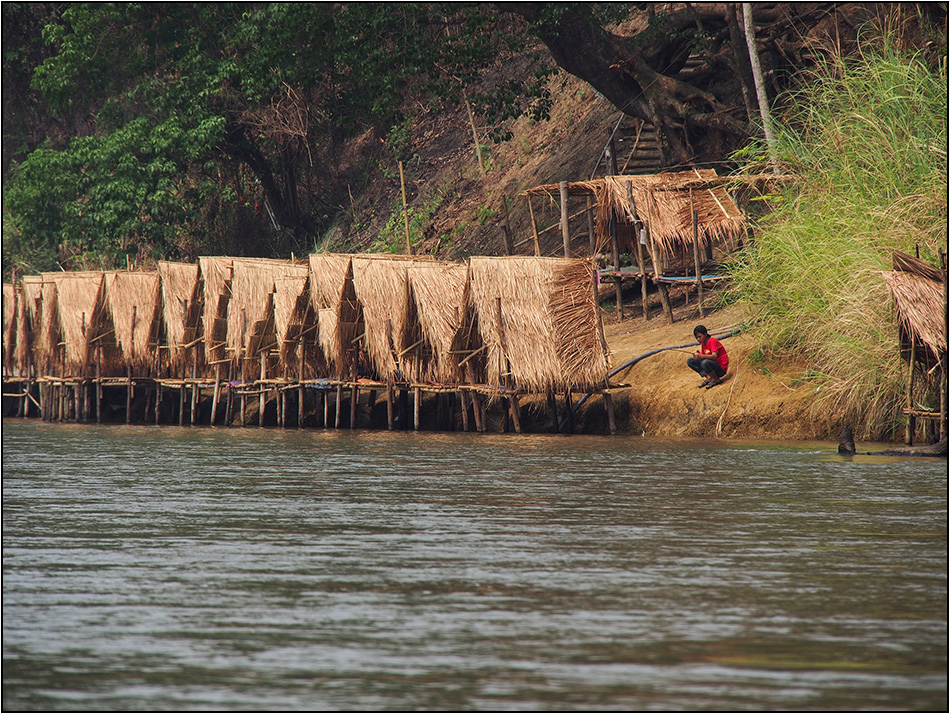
(167, 568)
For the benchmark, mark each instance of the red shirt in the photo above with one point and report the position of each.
(714, 345)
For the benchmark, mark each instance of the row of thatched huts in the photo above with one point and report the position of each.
(523, 323)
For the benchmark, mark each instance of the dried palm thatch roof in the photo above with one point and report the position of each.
(297, 328)
(46, 338)
(251, 320)
(435, 314)
(179, 308)
(664, 202)
(132, 301)
(28, 320)
(9, 325)
(382, 287)
(918, 290)
(215, 294)
(539, 319)
(340, 315)
(80, 310)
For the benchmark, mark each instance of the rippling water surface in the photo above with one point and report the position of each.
(197, 568)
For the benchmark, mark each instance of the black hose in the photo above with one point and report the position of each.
(627, 365)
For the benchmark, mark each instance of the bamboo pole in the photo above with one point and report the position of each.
(300, 383)
(911, 421)
(534, 227)
(217, 393)
(260, 399)
(405, 208)
(565, 228)
(99, 383)
(615, 259)
(699, 272)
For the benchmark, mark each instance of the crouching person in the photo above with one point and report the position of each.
(710, 360)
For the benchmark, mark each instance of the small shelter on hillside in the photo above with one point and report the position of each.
(9, 327)
(132, 304)
(179, 314)
(919, 290)
(80, 313)
(433, 319)
(339, 313)
(538, 321)
(670, 223)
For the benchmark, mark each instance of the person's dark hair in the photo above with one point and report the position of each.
(700, 330)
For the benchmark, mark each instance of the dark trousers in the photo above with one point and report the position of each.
(706, 367)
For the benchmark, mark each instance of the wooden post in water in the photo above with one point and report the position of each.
(552, 405)
(570, 410)
(300, 383)
(389, 402)
(911, 420)
(515, 408)
(128, 394)
(463, 399)
(339, 405)
(181, 404)
(98, 382)
(565, 229)
(217, 393)
(194, 388)
(158, 400)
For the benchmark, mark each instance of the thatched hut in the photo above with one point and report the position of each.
(80, 312)
(179, 311)
(339, 313)
(663, 204)
(297, 328)
(9, 327)
(919, 290)
(539, 321)
(213, 295)
(132, 303)
(433, 320)
(251, 327)
(28, 323)
(382, 288)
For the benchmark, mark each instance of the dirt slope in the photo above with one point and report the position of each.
(663, 398)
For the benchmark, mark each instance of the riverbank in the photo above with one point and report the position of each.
(662, 399)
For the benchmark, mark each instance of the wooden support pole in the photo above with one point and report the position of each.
(657, 261)
(515, 408)
(300, 350)
(325, 399)
(128, 394)
(534, 227)
(552, 405)
(463, 399)
(354, 402)
(696, 265)
(389, 402)
(98, 382)
(911, 420)
(194, 387)
(261, 399)
(217, 393)
(615, 259)
(565, 229)
(609, 406)
(158, 401)
(339, 405)
(640, 263)
(570, 410)
(405, 209)
(592, 239)
(181, 405)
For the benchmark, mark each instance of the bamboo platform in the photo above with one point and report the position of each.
(286, 403)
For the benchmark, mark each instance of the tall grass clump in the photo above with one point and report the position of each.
(866, 145)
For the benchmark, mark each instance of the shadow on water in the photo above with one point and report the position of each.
(197, 568)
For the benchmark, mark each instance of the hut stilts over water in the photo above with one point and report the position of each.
(471, 335)
(920, 291)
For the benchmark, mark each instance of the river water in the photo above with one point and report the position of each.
(167, 568)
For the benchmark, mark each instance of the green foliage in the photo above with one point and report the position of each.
(867, 145)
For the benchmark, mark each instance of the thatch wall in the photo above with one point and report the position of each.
(331, 289)
(540, 321)
(9, 326)
(920, 307)
(132, 299)
(382, 287)
(664, 202)
(179, 312)
(28, 321)
(435, 314)
(46, 350)
(251, 313)
(80, 310)
(214, 279)
(297, 328)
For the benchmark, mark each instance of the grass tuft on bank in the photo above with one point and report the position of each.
(866, 143)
